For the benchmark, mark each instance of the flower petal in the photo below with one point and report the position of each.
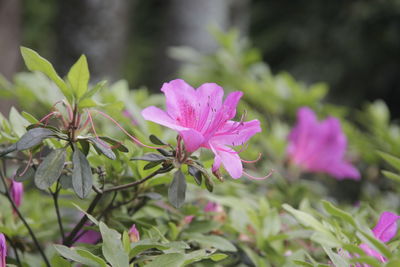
(181, 102)
(236, 133)
(230, 159)
(231, 102)
(159, 116)
(192, 138)
(386, 228)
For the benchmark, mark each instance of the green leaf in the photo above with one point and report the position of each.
(218, 257)
(79, 255)
(391, 175)
(168, 260)
(29, 173)
(155, 140)
(94, 90)
(112, 248)
(18, 122)
(196, 173)
(78, 77)
(118, 145)
(66, 181)
(150, 157)
(33, 137)
(81, 174)
(103, 148)
(50, 168)
(331, 209)
(34, 62)
(392, 160)
(213, 241)
(336, 259)
(177, 189)
(93, 219)
(86, 254)
(151, 165)
(8, 149)
(87, 103)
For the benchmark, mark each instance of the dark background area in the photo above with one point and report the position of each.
(351, 45)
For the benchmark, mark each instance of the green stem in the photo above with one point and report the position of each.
(57, 208)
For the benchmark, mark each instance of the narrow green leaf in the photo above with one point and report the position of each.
(8, 149)
(34, 62)
(150, 157)
(213, 241)
(392, 160)
(177, 189)
(81, 174)
(78, 77)
(195, 173)
(94, 90)
(50, 168)
(112, 248)
(93, 219)
(118, 145)
(218, 257)
(391, 175)
(81, 257)
(331, 209)
(155, 140)
(33, 137)
(102, 147)
(168, 260)
(88, 255)
(151, 165)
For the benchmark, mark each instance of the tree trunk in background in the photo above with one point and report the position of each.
(10, 32)
(187, 23)
(97, 29)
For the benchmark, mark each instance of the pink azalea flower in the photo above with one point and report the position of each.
(320, 146)
(17, 192)
(213, 207)
(385, 230)
(88, 237)
(188, 219)
(3, 250)
(134, 234)
(204, 120)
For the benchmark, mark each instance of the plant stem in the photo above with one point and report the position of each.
(57, 208)
(15, 250)
(135, 183)
(24, 221)
(70, 238)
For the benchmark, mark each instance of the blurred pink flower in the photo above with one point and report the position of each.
(204, 120)
(188, 219)
(88, 236)
(17, 192)
(320, 146)
(213, 207)
(3, 250)
(134, 235)
(385, 230)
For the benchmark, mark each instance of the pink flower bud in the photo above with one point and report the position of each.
(17, 192)
(213, 207)
(134, 235)
(3, 250)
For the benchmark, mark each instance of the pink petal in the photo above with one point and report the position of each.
(3, 250)
(386, 228)
(343, 170)
(192, 138)
(17, 192)
(231, 102)
(134, 234)
(371, 252)
(159, 116)
(236, 133)
(230, 159)
(181, 102)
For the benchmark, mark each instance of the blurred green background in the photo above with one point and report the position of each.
(351, 45)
